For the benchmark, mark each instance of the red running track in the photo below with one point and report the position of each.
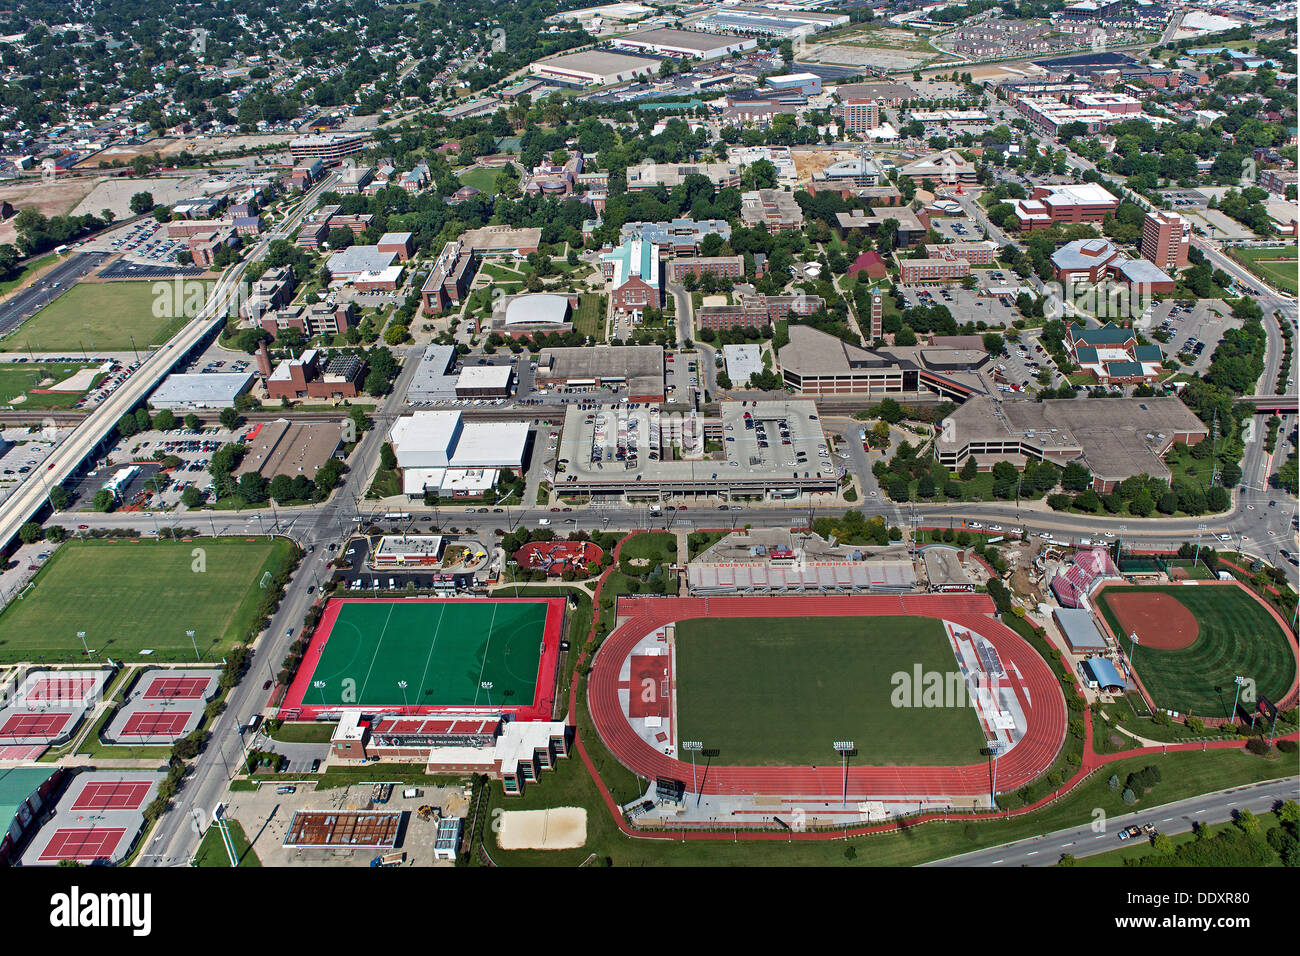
(1038, 690)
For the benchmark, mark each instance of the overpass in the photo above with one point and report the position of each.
(1270, 404)
(27, 501)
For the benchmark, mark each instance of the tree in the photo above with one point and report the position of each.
(387, 457)
(281, 488)
(59, 497)
(969, 470)
(993, 343)
(103, 500)
(230, 419)
(191, 497)
(31, 532)
(192, 422)
(252, 487)
(141, 203)
(164, 421)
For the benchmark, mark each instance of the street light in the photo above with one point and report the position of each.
(694, 746)
(845, 747)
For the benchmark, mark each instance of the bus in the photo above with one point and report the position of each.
(398, 516)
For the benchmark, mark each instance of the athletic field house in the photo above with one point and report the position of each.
(1183, 645)
(465, 685)
(824, 710)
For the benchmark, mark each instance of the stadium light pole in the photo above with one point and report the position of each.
(845, 747)
(694, 746)
(1133, 648)
(320, 686)
(194, 643)
(1238, 680)
(85, 647)
(406, 704)
(487, 686)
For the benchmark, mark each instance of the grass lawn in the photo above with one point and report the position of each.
(1237, 636)
(652, 547)
(137, 595)
(97, 316)
(8, 285)
(589, 319)
(18, 380)
(1275, 264)
(484, 180)
(780, 690)
(569, 785)
(212, 851)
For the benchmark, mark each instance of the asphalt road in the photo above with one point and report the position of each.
(1092, 838)
(20, 307)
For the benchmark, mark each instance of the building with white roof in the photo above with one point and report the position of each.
(189, 391)
(439, 451)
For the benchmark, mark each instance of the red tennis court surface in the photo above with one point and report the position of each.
(47, 726)
(149, 723)
(113, 795)
(21, 752)
(72, 687)
(176, 688)
(85, 844)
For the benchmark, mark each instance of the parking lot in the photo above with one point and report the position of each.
(1194, 331)
(966, 305)
(957, 228)
(146, 242)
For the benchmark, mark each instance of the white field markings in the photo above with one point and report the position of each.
(379, 643)
(483, 664)
(437, 632)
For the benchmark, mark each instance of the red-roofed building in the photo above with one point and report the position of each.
(871, 263)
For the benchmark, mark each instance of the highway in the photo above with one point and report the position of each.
(26, 501)
(21, 306)
(1171, 818)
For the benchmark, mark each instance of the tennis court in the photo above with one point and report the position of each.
(113, 795)
(153, 723)
(83, 844)
(45, 726)
(177, 688)
(497, 654)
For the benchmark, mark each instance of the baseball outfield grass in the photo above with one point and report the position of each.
(1237, 637)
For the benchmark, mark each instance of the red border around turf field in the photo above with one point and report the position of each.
(294, 707)
(1039, 692)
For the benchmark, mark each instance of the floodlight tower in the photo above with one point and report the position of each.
(845, 748)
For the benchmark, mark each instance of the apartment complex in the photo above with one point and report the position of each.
(1166, 239)
(774, 208)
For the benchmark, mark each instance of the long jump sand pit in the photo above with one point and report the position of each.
(560, 828)
(1159, 620)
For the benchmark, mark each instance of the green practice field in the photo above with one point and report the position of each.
(16, 381)
(445, 651)
(99, 317)
(134, 596)
(1275, 264)
(1237, 636)
(779, 691)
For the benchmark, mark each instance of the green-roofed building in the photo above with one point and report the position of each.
(633, 271)
(24, 794)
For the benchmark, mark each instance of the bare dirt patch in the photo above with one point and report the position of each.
(561, 828)
(1159, 620)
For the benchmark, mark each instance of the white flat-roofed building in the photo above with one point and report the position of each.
(593, 68)
(188, 391)
(440, 451)
(485, 381)
(692, 43)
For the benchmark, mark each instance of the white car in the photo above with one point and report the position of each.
(975, 525)
(995, 527)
